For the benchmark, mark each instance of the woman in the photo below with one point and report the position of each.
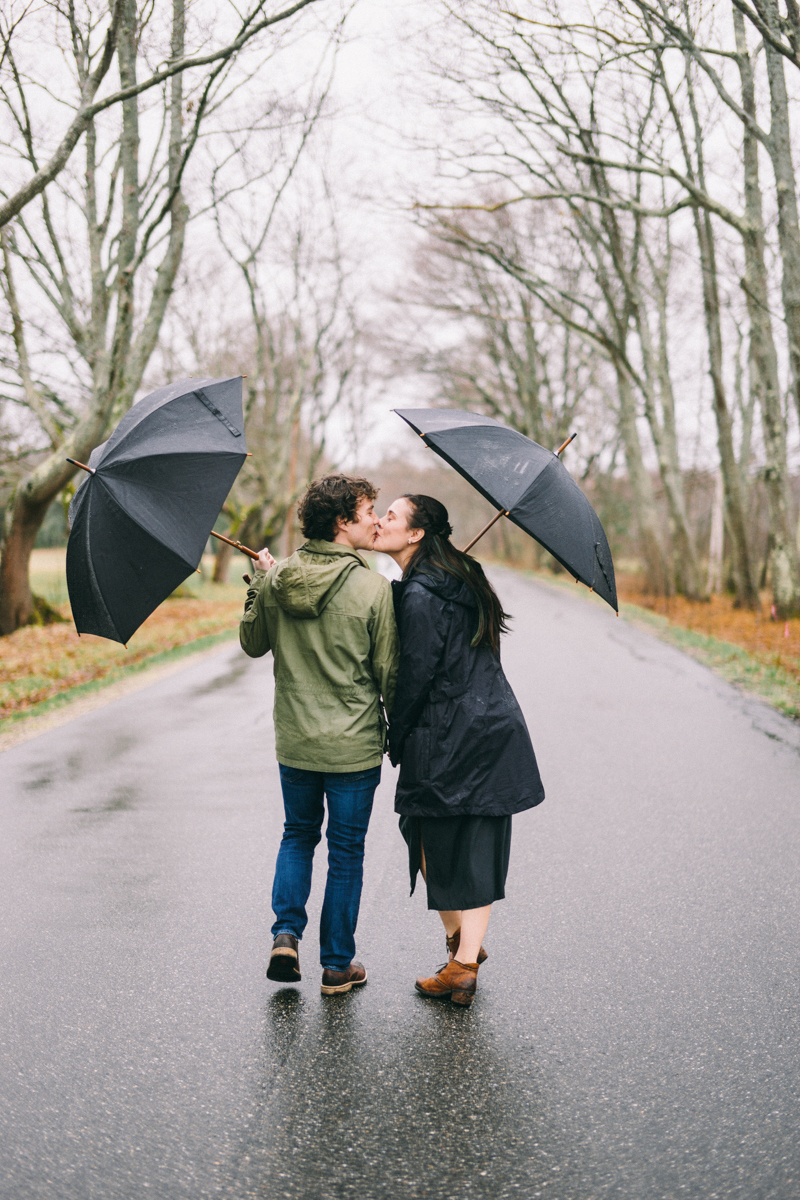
(467, 763)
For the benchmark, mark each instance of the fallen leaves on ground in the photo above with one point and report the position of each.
(774, 642)
(37, 663)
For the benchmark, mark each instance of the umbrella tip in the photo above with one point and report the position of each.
(83, 466)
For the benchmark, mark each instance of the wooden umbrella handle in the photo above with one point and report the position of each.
(485, 529)
(236, 545)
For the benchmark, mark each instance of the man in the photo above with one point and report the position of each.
(329, 622)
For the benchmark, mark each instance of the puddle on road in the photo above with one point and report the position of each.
(123, 799)
(222, 681)
(36, 785)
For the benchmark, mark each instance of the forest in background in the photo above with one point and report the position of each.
(595, 222)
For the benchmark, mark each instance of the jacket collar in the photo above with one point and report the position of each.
(439, 582)
(332, 549)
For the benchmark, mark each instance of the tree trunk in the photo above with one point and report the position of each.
(16, 600)
(686, 566)
(746, 591)
(784, 565)
(117, 373)
(780, 150)
(222, 562)
(716, 543)
(26, 512)
(658, 578)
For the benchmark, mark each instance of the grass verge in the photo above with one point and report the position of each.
(42, 667)
(79, 691)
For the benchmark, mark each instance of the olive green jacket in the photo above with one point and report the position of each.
(329, 622)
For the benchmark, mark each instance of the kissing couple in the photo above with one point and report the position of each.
(353, 653)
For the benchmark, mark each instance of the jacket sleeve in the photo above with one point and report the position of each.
(385, 647)
(253, 633)
(422, 625)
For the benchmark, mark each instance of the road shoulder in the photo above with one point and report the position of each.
(756, 677)
(90, 696)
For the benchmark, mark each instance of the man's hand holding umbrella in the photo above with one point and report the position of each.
(264, 560)
(261, 562)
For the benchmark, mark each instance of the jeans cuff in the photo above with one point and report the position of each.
(290, 932)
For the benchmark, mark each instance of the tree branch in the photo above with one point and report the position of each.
(87, 110)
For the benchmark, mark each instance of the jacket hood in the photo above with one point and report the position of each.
(442, 584)
(305, 583)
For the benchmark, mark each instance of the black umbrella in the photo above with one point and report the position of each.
(529, 484)
(141, 518)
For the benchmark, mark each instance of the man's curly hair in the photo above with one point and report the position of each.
(330, 499)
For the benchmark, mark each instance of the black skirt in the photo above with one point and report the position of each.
(466, 858)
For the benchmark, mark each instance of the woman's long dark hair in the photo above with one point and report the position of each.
(437, 549)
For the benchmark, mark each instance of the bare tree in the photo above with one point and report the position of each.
(613, 63)
(298, 337)
(780, 33)
(763, 355)
(784, 558)
(89, 273)
(543, 116)
(304, 367)
(512, 358)
(98, 58)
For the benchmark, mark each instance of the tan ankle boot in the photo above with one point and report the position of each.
(454, 941)
(455, 979)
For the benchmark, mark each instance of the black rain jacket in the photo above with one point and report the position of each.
(456, 727)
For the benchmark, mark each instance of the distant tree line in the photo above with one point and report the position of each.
(614, 246)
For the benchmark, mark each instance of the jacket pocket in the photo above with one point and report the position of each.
(415, 763)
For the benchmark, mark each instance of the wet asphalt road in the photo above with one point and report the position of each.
(636, 1028)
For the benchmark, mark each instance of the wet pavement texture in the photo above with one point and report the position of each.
(635, 1033)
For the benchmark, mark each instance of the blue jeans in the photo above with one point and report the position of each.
(349, 796)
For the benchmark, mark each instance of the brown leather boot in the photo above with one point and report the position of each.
(284, 961)
(455, 979)
(454, 941)
(334, 982)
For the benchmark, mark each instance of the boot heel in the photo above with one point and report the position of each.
(455, 979)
